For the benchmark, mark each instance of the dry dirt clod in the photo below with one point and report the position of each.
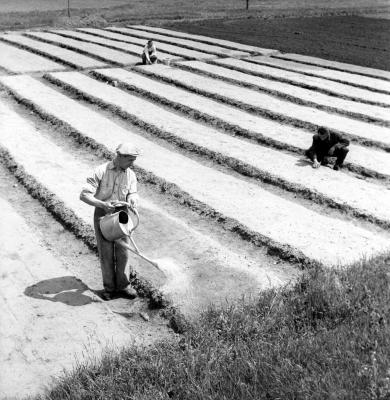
(144, 316)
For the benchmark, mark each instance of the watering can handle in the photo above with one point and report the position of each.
(135, 212)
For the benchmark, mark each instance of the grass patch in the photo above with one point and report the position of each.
(327, 337)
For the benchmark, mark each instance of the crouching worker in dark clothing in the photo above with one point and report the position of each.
(327, 144)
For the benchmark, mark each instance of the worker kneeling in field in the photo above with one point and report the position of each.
(149, 55)
(328, 144)
(110, 185)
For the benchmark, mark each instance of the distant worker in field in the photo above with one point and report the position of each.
(328, 144)
(149, 55)
(108, 189)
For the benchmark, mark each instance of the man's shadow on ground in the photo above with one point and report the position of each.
(303, 162)
(65, 289)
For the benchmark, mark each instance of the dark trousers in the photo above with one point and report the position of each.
(153, 59)
(340, 153)
(114, 259)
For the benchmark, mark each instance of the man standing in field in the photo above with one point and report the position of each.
(327, 144)
(109, 186)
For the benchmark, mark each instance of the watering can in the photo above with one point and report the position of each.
(118, 225)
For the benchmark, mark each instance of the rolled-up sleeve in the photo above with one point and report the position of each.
(93, 181)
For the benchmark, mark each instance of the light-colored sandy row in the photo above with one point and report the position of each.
(311, 82)
(206, 39)
(378, 85)
(190, 44)
(17, 60)
(189, 280)
(367, 198)
(356, 69)
(65, 56)
(296, 92)
(254, 99)
(167, 48)
(368, 158)
(319, 237)
(40, 334)
(94, 50)
(126, 47)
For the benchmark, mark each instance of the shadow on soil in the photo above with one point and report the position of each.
(66, 289)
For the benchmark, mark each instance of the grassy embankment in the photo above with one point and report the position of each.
(325, 338)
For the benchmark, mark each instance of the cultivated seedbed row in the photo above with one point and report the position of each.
(273, 220)
(355, 69)
(90, 49)
(295, 78)
(125, 47)
(17, 60)
(64, 56)
(265, 104)
(379, 85)
(293, 93)
(190, 44)
(205, 39)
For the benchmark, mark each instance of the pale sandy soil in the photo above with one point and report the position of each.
(17, 60)
(267, 102)
(205, 39)
(330, 240)
(335, 88)
(370, 158)
(68, 56)
(307, 95)
(168, 48)
(377, 73)
(131, 48)
(91, 49)
(212, 49)
(363, 81)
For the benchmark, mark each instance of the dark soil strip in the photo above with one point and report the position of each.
(233, 130)
(259, 111)
(362, 86)
(76, 50)
(233, 163)
(303, 85)
(337, 68)
(285, 96)
(274, 248)
(41, 53)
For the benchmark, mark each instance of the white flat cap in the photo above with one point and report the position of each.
(127, 149)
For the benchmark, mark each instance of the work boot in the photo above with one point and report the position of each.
(129, 292)
(107, 296)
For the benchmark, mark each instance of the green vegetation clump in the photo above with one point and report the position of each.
(327, 337)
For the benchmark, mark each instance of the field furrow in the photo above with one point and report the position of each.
(355, 69)
(286, 111)
(319, 237)
(293, 93)
(20, 61)
(366, 82)
(190, 44)
(237, 122)
(89, 49)
(125, 47)
(167, 48)
(205, 39)
(55, 53)
(191, 281)
(323, 85)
